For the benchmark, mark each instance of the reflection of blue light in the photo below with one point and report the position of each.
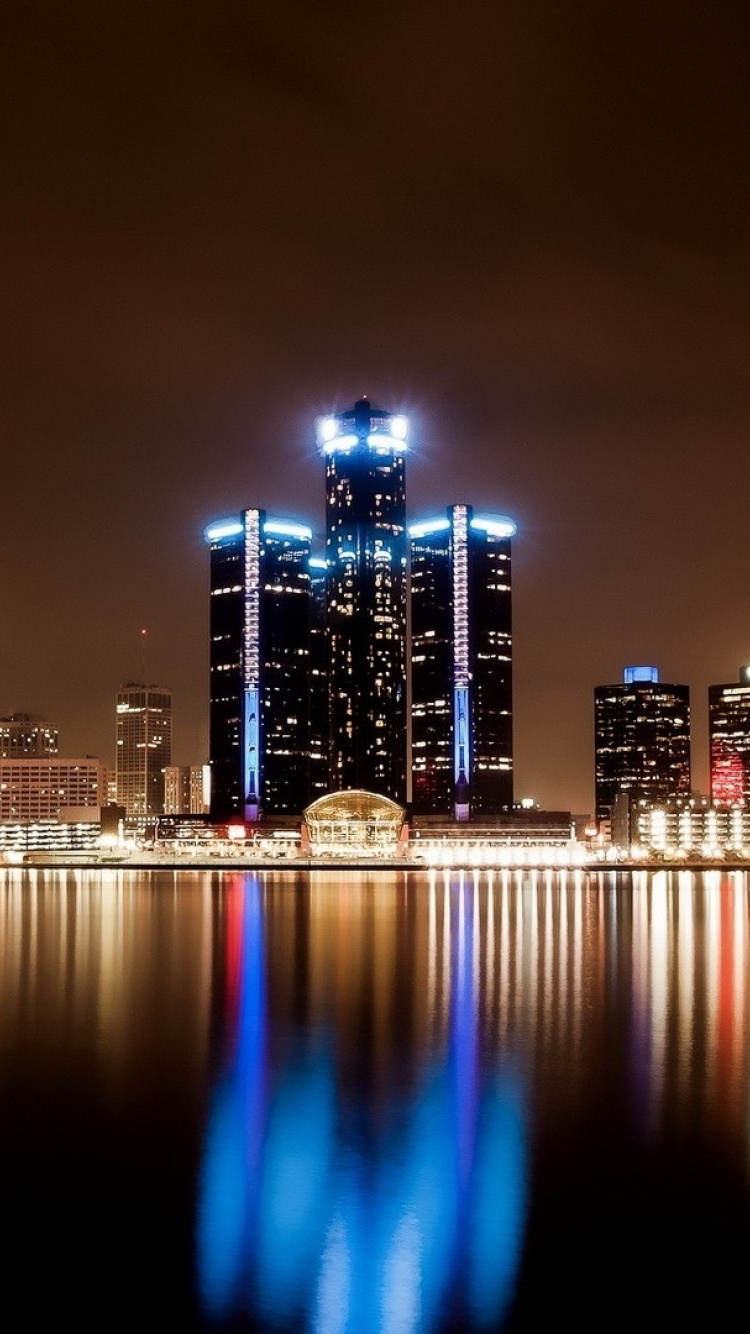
(233, 1142)
(499, 1204)
(223, 528)
(305, 1223)
(294, 1203)
(316, 563)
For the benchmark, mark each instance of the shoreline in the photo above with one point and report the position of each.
(306, 865)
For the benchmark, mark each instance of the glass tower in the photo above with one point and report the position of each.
(641, 739)
(260, 622)
(729, 740)
(461, 664)
(364, 450)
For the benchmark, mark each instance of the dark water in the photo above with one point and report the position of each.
(391, 1103)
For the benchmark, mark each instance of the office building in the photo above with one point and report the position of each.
(39, 788)
(461, 664)
(24, 735)
(260, 625)
(641, 739)
(364, 450)
(729, 740)
(187, 789)
(143, 748)
(318, 681)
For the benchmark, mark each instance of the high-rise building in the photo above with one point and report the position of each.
(24, 735)
(641, 739)
(143, 748)
(364, 450)
(187, 789)
(729, 740)
(260, 626)
(318, 681)
(461, 664)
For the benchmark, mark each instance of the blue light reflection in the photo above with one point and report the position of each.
(312, 1216)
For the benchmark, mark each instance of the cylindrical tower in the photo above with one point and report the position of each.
(364, 450)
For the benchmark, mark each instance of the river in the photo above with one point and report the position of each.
(391, 1101)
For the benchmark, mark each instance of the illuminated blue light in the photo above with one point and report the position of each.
(496, 525)
(399, 427)
(430, 526)
(316, 563)
(635, 674)
(382, 554)
(280, 528)
(222, 528)
(328, 428)
(252, 753)
(347, 555)
(386, 444)
(341, 445)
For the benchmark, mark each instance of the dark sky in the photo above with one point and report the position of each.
(523, 223)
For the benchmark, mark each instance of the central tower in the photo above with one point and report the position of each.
(364, 450)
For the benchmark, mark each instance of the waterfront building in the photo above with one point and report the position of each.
(143, 748)
(461, 664)
(364, 450)
(23, 735)
(680, 828)
(39, 788)
(260, 627)
(729, 740)
(641, 739)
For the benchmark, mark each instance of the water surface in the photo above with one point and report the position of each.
(388, 1102)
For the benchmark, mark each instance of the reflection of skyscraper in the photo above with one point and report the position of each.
(260, 666)
(461, 667)
(729, 740)
(641, 739)
(143, 749)
(364, 450)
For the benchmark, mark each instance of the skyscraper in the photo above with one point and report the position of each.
(143, 748)
(641, 739)
(260, 625)
(364, 451)
(729, 740)
(461, 664)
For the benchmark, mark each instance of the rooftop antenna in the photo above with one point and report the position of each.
(143, 636)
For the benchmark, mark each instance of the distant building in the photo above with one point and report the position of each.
(364, 450)
(729, 740)
(187, 789)
(461, 665)
(143, 748)
(318, 681)
(260, 625)
(641, 739)
(680, 827)
(39, 788)
(24, 735)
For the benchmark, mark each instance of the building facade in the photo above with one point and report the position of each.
(461, 664)
(260, 625)
(39, 788)
(364, 450)
(143, 748)
(24, 735)
(641, 740)
(729, 740)
(187, 789)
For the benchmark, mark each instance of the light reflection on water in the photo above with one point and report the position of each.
(379, 1102)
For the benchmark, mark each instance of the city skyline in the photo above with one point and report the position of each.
(524, 229)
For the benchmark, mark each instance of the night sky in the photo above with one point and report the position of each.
(522, 223)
